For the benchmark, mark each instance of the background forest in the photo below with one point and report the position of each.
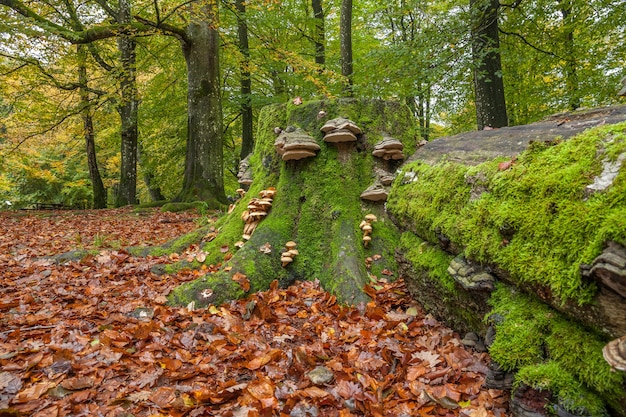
(94, 74)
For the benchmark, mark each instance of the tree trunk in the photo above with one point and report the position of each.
(317, 205)
(488, 84)
(345, 36)
(319, 35)
(204, 170)
(127, 109)
(99, 193)
(571, 78)
(148, 176)
(247, 139)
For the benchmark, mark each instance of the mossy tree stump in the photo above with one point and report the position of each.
(317, 204)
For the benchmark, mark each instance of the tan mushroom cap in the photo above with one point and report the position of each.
(615, 353)
(298, 144)
(341, 123)
(239, 244)
(340, 135)
(292, 252)
(389, 143)
(367, 228)
(375, 192)
(297, 154)
(291, 244)
(370, 217)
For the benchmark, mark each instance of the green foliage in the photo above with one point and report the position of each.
(534, 220)
(552, 352)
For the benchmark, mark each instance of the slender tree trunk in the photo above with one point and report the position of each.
(247, 139)
(345, 38)
(319, 35)
(488, 84)
(148, 176)
(571, 78)
(204, 170)
(127, 109)
(99, 193)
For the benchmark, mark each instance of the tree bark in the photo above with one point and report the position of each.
(247, 139)
(488, 83)
(204, 170)
(345, 37)
(319, 35)
(99, 193)
(127, 109)
(571, 78)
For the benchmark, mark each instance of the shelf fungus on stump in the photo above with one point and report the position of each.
(389, 148)
(294, 144)
(340, 130)
(614, 353)
(289, 253)
(375, 192)
(257, 210)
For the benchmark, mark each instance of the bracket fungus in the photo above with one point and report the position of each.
(614, 353)
(257, 210)
(289, 253)
(389, 148)
(340, 130)
(244, 176)
(375, 192)
(294, 144)
(366, 227)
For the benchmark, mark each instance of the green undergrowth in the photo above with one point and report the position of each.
(552, 353)
(317, 205)
(534, 220)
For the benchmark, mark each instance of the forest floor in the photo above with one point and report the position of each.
(95, 337)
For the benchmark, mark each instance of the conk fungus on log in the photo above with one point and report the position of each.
(294, 144)
(615, 353)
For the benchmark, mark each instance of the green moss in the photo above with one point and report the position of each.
(317, 201)
(423, 255)
(571, 394)
(182, 206)
(535, 220)
(532, 337)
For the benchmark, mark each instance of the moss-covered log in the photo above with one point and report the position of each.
(535, 223)
(317, 204)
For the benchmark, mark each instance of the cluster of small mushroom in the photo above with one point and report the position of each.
(241, 192)
(340, 130)
(244, 176)
(389, 148)
(256, 211)
(289, 253)
(295, 144)
(366, 226)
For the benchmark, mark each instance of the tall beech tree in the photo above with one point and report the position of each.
(199, 39)
(488, 83)
(99, 192)
(247, 139)
(345, 39)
